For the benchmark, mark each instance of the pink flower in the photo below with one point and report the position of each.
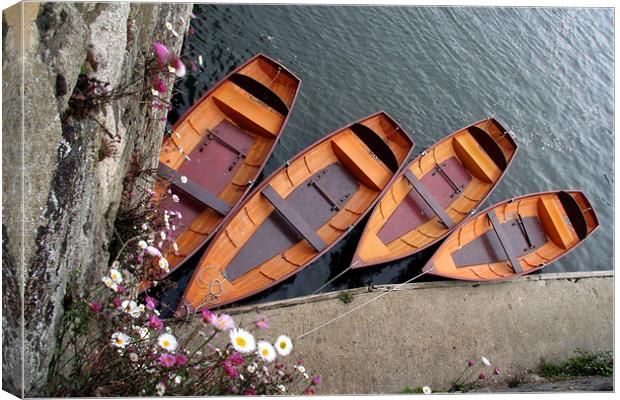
(179, 67)
(230, 370)
(496, 371)
(152, 251)
(471, 363)
(151, 303)
(223, 322)
(262, 322)
(193, 66)
(167, 360)
(309, 391)
(118, 302)
(482, 376)
(316, 379)
(156, 323)
(191, 30)
(234, 390)
(180, 359)
(160, 85)
(163, 54)
(120, 289)
(278, 365)
(250, 392)
(207, 314)
(96, 307)
(236, 358)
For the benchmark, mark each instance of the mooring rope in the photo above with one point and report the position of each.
(362, 305)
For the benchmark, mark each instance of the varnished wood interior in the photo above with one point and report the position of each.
(470, 154)
(340, 147)
(228, 101)
(537, 205)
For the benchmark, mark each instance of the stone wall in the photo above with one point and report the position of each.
(62, 176)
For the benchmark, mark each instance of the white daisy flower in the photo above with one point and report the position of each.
(283, 345)
(162, 235)
(242, 340)
(251, 369)
(301, 369)
(486, 361)
(116, 276)
(175, 198)
(142, 244)
(160, 388)
(163, 264)
(143, 332)
(426, 390)
(306, 375)
(282, 388)
(168, 26)
(110, 283)
(177, 379)
(175, 246)
(131, 308)
(167, 342)
(184, 179)
(266, 351)
(120, 340)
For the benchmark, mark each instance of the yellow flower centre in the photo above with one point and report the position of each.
(265, 352)
(240, 341)
(283, 345)
(166, 343)
(119, 341)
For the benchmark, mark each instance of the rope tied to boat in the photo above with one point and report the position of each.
(363, 305)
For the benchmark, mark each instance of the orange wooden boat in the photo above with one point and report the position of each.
(299, 212)
(515, 237)
(436, 192)
(219, 147)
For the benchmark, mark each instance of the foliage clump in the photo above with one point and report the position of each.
(584, 363)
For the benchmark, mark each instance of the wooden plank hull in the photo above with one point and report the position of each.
(436, 192)
(219, 147)
(539, 229)
(299, 212)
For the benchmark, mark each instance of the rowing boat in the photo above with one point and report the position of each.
(218, 149)
(436, 192)
(515, 237)
(299, 212)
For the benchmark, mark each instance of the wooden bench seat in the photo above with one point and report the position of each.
(552, 219)
(247, 111)
(474, 158)
(293, 218)
(356, 157)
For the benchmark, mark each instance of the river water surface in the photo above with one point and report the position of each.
(545, 73)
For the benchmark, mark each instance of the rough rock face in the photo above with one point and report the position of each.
(59, 209)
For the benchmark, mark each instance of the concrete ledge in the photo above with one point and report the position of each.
(411, 286)
(422, 333)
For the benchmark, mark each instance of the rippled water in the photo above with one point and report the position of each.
(545, 73)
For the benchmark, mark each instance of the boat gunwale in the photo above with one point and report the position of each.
(357, 263)
(276, 139)
(184, 307)
(507, 201)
